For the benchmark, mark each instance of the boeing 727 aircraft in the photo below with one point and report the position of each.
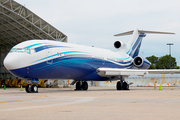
(46, 59)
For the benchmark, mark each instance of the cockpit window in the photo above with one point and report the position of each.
(13, 50)
(23, 50)
(20, 50)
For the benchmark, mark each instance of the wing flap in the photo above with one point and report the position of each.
(105, 72)
(115, 73)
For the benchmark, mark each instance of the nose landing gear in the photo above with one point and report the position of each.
(31, 89)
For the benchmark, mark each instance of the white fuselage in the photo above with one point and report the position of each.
(33, 56)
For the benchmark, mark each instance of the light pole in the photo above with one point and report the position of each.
(170, 53)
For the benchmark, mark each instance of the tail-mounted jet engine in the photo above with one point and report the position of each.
(118, 44)
(141, 63)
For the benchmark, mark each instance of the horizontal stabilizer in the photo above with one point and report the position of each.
(154, 32)
(143, 31)
(125, 33)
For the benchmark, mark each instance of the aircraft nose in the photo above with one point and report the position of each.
(11, 62)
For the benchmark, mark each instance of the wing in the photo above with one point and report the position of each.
(105, 72)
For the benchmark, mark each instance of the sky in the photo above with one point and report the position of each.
(94, 22)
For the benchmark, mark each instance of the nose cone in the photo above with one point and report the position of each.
(12, 61)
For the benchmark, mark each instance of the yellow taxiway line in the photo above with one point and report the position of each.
(23, 99)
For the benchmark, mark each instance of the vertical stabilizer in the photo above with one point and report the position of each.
(134, 44)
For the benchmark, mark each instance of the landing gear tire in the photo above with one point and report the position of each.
(34, 88)
(119, 85)
(31, 89)
(78, 86)
(28, 88)
(125, 86)
(84, 86)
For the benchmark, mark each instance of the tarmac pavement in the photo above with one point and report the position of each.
(97, 103)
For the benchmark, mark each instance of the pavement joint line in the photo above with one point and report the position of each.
(42, 96)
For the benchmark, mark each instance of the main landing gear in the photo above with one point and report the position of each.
(122, 85)
(81, 85)
(31, 89)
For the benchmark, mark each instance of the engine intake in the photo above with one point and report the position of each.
(141, 63)
(117, 44)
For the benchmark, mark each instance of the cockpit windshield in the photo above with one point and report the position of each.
(23, 50)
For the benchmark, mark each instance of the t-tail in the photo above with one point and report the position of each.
(134, 44)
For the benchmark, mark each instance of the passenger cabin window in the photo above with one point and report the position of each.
(23, 50)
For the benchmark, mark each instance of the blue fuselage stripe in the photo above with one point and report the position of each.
(67, 68)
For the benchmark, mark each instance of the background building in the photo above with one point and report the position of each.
(18, 24)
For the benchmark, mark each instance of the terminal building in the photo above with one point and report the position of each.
(18, 24)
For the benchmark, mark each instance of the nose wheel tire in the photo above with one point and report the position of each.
(34, 88)
(31, 89)
(28, 88)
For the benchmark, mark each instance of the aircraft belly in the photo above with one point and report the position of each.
(61, 72)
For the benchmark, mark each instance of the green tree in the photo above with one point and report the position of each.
(164, 63)
(153, 59)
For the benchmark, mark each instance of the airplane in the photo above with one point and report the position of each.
(47, 59)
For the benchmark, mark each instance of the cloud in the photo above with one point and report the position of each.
(94, 22)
